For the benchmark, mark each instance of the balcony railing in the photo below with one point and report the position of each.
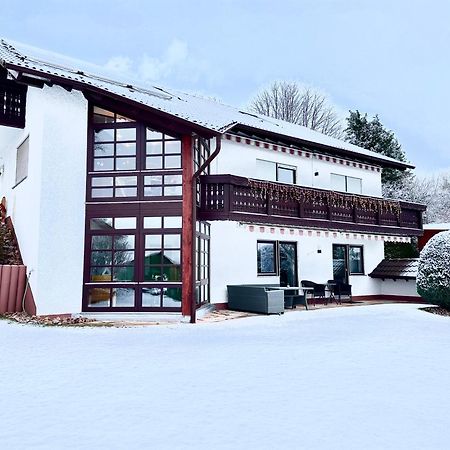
(229, 197)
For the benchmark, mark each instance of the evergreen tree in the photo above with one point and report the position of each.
(371, 135)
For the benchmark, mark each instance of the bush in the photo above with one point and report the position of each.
(433, 276)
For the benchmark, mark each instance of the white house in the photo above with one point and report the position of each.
(131, 199)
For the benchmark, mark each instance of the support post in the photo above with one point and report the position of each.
(188, 245)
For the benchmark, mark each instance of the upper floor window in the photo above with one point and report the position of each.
(162, 151)
(114, 149)
(22, 161)
(129, 160)
(103, 116)
(345, 183)
(272, 171)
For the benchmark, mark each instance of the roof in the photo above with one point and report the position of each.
(206, 113)
(404, 268)
(436, 226)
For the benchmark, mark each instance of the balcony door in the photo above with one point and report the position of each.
(347, 260)
(288, 264)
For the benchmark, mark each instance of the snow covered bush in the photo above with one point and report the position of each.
(433, 276)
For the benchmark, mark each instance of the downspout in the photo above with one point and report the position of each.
(194, 221)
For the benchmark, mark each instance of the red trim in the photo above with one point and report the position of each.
(392, 298)
(220, 306)
(187, 248)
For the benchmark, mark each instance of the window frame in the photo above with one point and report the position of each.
(275, 257)
(279, 166)
(346, 177)
(362, 259)
(18, 148)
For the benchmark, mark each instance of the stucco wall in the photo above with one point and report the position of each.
(47, 208)
(399, 287)
(240, 159)
(234, 257)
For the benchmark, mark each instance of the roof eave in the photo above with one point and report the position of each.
(334, 150)
(87, 88)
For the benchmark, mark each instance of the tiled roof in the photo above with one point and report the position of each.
(207, 113)
(405, 268)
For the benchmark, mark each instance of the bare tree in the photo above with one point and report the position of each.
(432, 191)
(303, 106)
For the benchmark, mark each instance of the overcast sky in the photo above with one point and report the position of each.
(387, 57)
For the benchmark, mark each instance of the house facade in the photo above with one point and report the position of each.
(131, 200)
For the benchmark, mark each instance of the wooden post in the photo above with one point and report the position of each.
(187, 233)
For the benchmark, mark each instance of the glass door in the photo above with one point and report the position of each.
(288, 264)
(340, 263)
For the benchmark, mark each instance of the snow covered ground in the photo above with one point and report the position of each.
(374, 377)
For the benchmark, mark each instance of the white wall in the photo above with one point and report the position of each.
(399, 287)
(234, 257)
(23, 200)
(240, 159)
(47, 208)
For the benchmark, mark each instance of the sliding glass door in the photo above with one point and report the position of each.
(288, 264)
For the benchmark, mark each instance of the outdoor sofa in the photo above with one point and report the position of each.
(263, 298)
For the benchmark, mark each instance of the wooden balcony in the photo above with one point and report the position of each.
(229, 197)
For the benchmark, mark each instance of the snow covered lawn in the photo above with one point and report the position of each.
(374, 377)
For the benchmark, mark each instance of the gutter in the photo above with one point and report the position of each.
(194, 221)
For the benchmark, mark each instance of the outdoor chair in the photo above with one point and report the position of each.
(318, 290)
(341, 289)
(292, 299)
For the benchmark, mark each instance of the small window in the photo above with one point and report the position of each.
(272, 171)
(286, 174)
(266, 170)
(338, 182)
(355, 254)
(267, 264)
(345, 183)
(354, 185)
(22, 161)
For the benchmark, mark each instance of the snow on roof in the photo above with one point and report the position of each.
(207, 113)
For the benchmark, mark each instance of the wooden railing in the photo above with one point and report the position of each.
(229, 197)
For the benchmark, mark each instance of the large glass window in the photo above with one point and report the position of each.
(133, 238)
(266, 259)
(129, 160)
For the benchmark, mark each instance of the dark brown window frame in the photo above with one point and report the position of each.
(202, 283)
(139, 207)
(276, 258)
(362, 260)
(140, 169)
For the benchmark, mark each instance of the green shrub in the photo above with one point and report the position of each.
(433, 276)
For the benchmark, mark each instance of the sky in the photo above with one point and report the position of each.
(389, 58)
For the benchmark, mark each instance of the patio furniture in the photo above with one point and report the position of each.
(341, 289)
(265, 299)
(292, 297)
(318, 290)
